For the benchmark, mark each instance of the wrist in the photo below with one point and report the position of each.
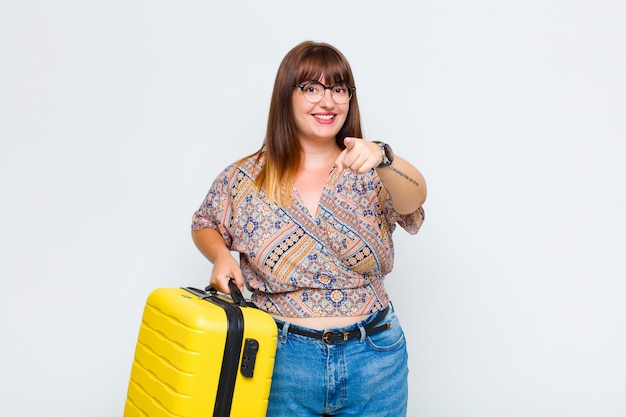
(386, 154)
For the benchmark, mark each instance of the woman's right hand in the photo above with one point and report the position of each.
(225, 267)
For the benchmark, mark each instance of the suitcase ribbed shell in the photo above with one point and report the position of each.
(178, 359)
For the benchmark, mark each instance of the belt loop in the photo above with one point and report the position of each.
(283, 332)
(363, 332)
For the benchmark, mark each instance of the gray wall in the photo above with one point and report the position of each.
(115, 116)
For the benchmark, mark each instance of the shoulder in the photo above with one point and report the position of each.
(250, 165)
(238, 179)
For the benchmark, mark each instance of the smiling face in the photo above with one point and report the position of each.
(317, 121)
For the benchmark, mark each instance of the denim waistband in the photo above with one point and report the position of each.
(360, 330)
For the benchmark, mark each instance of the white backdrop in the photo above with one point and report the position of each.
(115, 116)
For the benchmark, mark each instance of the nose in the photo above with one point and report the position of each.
(327, 100)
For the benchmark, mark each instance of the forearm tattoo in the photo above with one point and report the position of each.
(402, 174)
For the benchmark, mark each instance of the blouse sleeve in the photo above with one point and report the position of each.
(216, 209)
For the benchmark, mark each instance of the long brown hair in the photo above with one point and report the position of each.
(281, 150)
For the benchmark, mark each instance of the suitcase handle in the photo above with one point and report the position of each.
(235, 294)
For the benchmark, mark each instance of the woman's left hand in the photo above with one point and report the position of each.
(359, 156)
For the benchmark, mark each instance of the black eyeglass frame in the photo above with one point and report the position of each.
(351, 89)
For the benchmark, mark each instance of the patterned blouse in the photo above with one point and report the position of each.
(297, 264)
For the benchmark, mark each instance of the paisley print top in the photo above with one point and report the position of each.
(301, 264)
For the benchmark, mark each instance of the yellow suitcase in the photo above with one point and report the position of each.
(201, 354)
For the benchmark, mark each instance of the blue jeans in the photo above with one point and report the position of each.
(365, 377)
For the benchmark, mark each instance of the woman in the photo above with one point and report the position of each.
(312, 214)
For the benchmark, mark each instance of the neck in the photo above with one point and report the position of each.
(319, 157)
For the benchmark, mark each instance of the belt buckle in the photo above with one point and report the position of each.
(326, 337)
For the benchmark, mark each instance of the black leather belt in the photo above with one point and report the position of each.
(329, 336)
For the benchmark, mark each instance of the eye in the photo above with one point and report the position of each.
(341, 90)
(311, 88)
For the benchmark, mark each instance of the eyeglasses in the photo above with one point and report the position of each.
(313, 91)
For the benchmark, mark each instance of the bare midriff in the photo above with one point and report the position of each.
(321, 323)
